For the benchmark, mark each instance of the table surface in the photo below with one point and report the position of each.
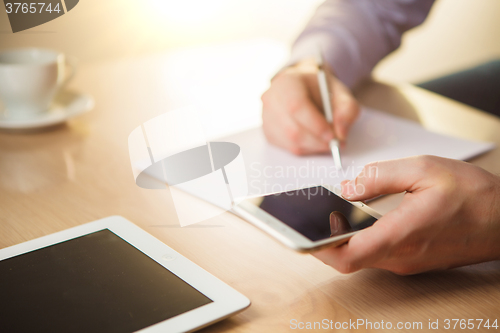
(80, 171)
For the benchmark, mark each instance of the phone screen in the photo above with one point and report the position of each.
(315, 212)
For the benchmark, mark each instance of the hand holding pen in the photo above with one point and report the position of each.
(326, 101)
(293, 115)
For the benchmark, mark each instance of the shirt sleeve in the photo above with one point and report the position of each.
(354, 35)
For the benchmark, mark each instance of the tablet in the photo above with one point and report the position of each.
(107, 276)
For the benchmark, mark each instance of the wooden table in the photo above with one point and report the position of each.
(79, 172)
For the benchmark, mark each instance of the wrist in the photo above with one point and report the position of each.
(306, 65)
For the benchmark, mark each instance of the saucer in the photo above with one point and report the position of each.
(66, 105)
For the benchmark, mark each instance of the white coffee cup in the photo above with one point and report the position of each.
(29, 80)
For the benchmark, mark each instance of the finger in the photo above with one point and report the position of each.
(386, 177)
(367, 248)
(397, 241)
(345, 109)
(310, 144)
(334, 256)
(311, 119)
(292, 136)
(338, 224)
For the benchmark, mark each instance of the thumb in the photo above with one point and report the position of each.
(385, 177)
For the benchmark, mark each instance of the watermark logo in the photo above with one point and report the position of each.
(28, 14)
(265, 178)
(204, 178)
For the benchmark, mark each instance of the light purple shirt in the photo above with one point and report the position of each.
(354, 35)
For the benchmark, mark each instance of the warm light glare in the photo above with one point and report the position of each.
(161, 24)
(185, 11)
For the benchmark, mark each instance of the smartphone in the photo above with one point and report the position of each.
(307, 219)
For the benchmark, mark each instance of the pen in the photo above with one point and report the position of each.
(327, 107)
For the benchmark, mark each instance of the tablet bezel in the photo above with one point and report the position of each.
(226, 300)
(287, 235)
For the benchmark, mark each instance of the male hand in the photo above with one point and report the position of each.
(449, 217)
(292, 117)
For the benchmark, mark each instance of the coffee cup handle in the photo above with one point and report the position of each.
(71, 63)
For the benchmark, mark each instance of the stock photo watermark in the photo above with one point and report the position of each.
(28, 14)
(170, 152)
(264, 179)
(365, 324)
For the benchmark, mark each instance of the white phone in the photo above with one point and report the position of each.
(307, 219)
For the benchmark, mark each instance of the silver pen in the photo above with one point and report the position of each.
(327, 107)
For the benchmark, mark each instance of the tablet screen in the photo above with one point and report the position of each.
(94, 283)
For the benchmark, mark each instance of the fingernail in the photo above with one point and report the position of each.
(348, 189)
(334, 226)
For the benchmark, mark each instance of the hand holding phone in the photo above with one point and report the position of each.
(307, 219)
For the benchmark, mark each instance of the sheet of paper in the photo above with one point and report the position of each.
(375, 136)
